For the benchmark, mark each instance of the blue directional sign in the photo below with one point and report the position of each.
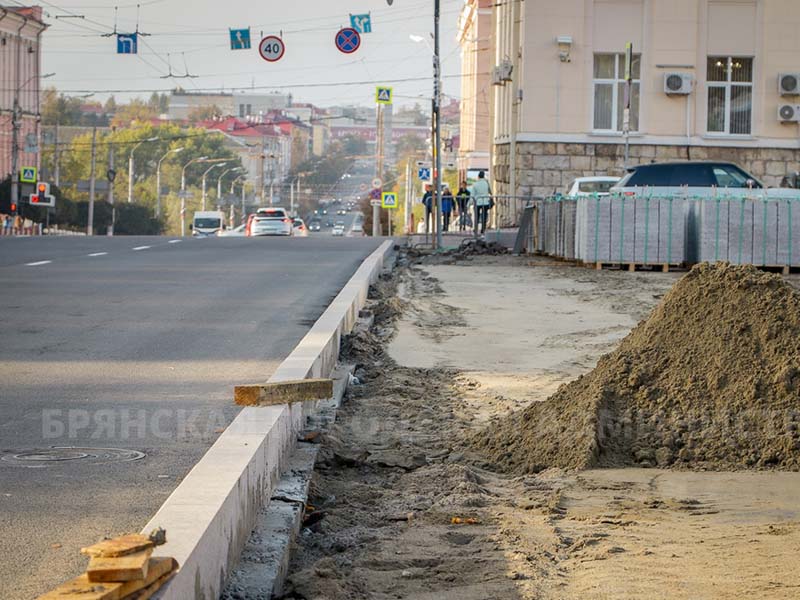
(240, 39)
(348, 40)
(361, 23)
(127, 43)
(424, 173)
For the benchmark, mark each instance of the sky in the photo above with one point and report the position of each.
(193, 36)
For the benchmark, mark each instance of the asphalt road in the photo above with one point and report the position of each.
(132, 345)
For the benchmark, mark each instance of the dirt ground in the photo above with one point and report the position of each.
(402, 508)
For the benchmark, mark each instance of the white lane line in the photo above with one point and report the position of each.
(141, 248)
(99, 254)
(38, 264)
(175, 241)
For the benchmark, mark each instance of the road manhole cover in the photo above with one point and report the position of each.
(42, 457)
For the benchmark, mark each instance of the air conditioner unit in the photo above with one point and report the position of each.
(497, 76)
(678, 83)
(789, 84)
(789, 113)
(506, 68)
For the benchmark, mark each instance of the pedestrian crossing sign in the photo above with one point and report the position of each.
(389, 200)
(28, 175)
(383, 95)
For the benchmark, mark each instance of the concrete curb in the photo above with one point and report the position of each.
(209, 516)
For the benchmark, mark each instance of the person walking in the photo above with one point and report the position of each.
(481, 195)
(448, 204)
(17, 229)
(427, 200)
(462, 199)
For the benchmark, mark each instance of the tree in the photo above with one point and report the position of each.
(204, 113)
(110, 106)
(135, 110)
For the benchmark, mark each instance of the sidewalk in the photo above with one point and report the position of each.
(405, 508)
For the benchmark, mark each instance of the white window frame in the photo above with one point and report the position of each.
(619, 78)
(728, 84)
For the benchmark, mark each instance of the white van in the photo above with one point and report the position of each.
(207, 223)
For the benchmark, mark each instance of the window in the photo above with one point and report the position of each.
(610, 89)
(242, 113)
(730, 94)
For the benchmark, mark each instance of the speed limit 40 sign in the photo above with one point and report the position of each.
(271, 48)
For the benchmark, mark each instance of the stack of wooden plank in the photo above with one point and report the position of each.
(122, 568)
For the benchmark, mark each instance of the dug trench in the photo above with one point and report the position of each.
(425, 490)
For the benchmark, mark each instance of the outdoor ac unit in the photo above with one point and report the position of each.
(506, 68)
(677, 83)
(789, 113)
(497, 76)
(789, 84)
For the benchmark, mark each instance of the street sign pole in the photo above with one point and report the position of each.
(437, 82)
(92, 176)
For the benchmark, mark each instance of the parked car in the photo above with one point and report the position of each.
(694, 179)
(589, 186)
(299, 228)
(239, 231)
(338, 229)
(271, 221)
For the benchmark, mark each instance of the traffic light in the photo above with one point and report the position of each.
(13, 208)
(42, 189)
(35, 199)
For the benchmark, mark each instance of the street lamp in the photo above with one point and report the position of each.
(131, 166)
(243, 179)
(219, 180)
(158, 179)
(436, 122)
(183, 191)
(15, 126)
(211, 168)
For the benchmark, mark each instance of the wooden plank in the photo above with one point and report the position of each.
(284, 392)
(81, 588)
(151, 589)
(126, 544)
(119, 568)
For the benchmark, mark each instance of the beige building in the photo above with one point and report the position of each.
(475, 39)
(705, 85)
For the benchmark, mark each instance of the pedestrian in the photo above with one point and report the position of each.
(17, 225)
(447, 207)
(462, 198)
(427, 200)
(481, 196)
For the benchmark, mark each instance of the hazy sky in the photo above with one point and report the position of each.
(197, 31)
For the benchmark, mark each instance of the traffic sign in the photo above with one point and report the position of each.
(361, 23)
(127, 43)
(240, 39)
(424, 173)
(389, 200)
(375, 202)
(28, 174)
(184, 194)
(348, 40)
(375, 194)
(376, 183)
(383, 95)
(271, 48)
(42, 196)
(363, 187)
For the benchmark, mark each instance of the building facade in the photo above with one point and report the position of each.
(475, 40)
(20, 72)
(704, 85)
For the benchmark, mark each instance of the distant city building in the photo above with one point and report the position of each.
(20, 70)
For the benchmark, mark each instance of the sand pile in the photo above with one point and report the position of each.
(710, 380)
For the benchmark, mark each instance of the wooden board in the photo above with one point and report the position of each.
(284, 392)
(81, 588)
(126, 544)
(151, 589)
(130, 567)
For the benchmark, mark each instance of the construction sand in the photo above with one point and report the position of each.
(710, 380)
(398, 469)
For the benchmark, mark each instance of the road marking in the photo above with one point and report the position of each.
(38, 264)
(141, 248)
(99, 254)
(175, 241)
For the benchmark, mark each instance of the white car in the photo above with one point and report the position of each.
(589, 186)
(271, 221)
(239, 231)
(299, 228)
(338, 229)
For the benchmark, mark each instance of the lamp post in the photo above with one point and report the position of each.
(131, 167)
(244, 182)
(158, 179)
(15, 127)
(183, 191)
(219, 180)
(211, 168)
(436, 124)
